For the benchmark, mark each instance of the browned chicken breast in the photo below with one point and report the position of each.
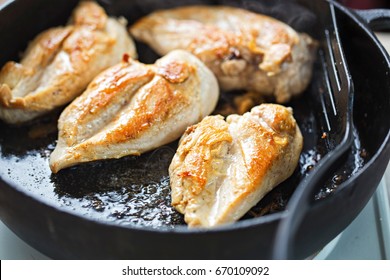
(60, 62)
(223, 168)
(132, 108)
(245, 50)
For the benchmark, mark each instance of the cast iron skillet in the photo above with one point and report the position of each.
(120, 209)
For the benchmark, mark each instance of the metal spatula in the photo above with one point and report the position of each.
(335, 97)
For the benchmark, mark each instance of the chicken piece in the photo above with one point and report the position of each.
(245, 50)
(60, 62)
(223, 168)
(132, 108)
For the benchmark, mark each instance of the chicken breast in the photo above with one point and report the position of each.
(245, 50)
(60, 62)
(223, 168)
(132, 108)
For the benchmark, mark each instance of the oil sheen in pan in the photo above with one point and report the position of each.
(135, 190)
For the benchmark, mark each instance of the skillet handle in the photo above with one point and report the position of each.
(377, 19)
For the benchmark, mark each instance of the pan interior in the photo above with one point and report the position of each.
(134, 190)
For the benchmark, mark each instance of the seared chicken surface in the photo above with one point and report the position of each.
(60, 62)
(223, 168)
(245, 50)
(132, 108)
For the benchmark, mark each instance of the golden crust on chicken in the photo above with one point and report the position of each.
(223, 168)
(60, 62)
(132, 108)
(245, 50)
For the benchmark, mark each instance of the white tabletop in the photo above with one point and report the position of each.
(13, 248)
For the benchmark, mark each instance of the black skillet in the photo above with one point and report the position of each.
(120, 209)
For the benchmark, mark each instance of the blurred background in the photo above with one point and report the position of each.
(357, 4)
(366, 4)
